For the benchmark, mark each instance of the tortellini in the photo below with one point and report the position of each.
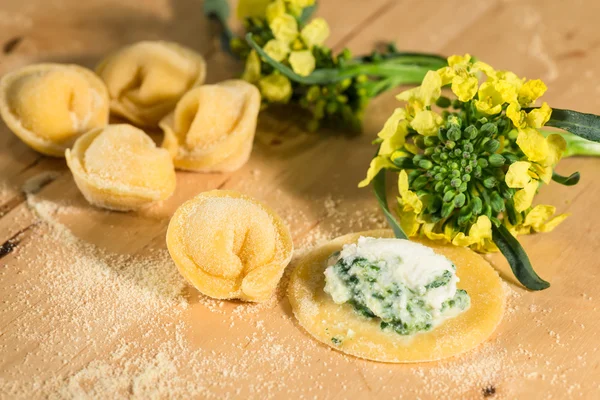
(229, 246)
(145, 80)
(120, 168)
(212, 128)
(49, 106)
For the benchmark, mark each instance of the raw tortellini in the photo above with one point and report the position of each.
(145, 80)
(229, 246)
(119, 167)
(49, 105)
(213, 126)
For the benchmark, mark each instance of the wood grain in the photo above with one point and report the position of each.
(546, 346)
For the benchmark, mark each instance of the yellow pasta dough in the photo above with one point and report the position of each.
(213, 126)
(49, 106)
(120, 168)
(229, 246)
(145, 80)
(339, 326)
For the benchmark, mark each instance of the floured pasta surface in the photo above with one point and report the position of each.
(229, 246)
(49, 106)
(145, 80)
(119, 167)
(213, 127)
(343, 328)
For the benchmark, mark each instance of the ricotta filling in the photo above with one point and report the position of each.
(405, 284)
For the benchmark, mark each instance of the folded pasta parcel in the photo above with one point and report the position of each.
(146, 79)
(229, 246)
(120, 168)
(212, 128)
(48, 106)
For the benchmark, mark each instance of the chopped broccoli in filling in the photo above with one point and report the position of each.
(406, 296)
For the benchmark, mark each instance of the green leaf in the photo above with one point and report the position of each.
(570, 180)
(307, 12)
(403, 73)
(517, 258)
(585, 125)
(219, 11)
(381, 195)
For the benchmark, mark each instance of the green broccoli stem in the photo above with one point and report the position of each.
(576, 145)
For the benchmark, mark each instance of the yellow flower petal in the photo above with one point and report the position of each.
(285, 28)
(518, 117)
(457, 60)
(251, 8)
(252, 68)
(518, 174)
(462, 240)
(426, 94)
(533, 144)
(510, 78)
(426, 122)
(491, 98)
(485, 68)
(302, 62)
(531, 91)
(524, 197)
(539, 116)
(431, 88)
(556, 147)
(427, 230)
(553, 223)
(446, 74)
(402, 183)
(274, 10)
(544, 172)
(275, 88)
(409, 222)
(408, 198)
(481, 230)
(277, 49)
(394, 132)
(377, 164)
(539, 215)
(315, 33)
(464, 87)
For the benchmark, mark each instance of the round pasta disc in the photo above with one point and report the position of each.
(339, 326)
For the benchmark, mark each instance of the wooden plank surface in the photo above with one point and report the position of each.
(91, 305)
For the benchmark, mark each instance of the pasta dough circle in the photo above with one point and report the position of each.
(212, 128)
(323, 319)
(120, 168)
(229, 245)
(48, 106)
(146, 79)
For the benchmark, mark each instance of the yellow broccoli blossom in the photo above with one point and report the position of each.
(302, 62)
(462, 74)
(275, 87)
(277, 49)
(492, 96)
(377, 164)
(531, 91)
(252, 8)
(393, 133)
(425, 95)
(274, 10)
(426, 122)
(479, 232)
(284, 28)
(252, 68)
(315, 32)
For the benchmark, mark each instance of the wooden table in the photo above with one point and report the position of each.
(91, 304)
